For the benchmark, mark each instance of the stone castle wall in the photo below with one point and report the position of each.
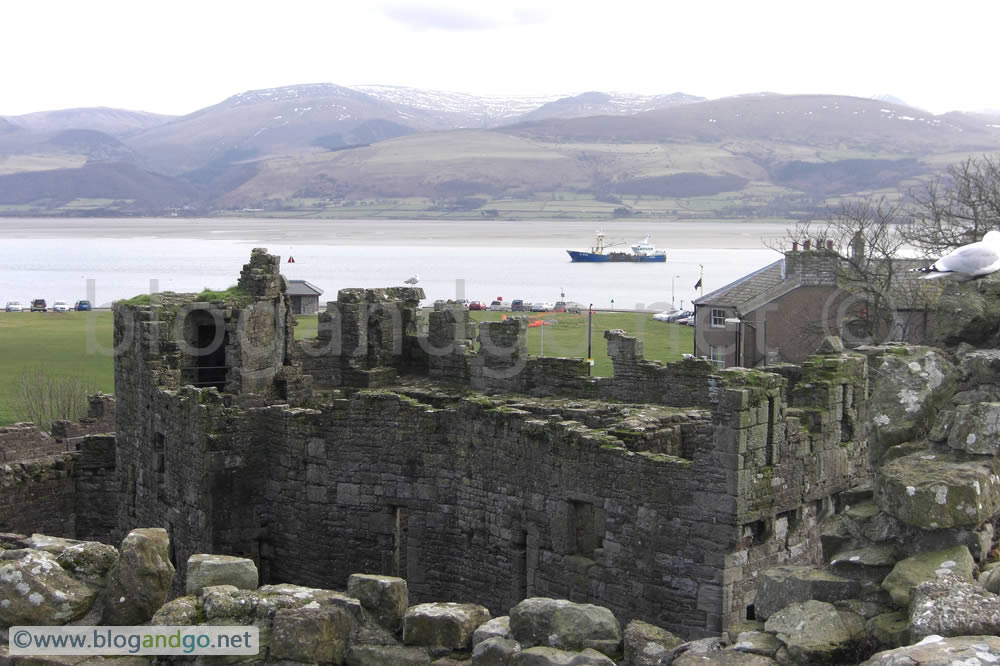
(27, 441)
(48, 479)
(661, 492)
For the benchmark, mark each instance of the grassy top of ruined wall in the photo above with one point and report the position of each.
(234, 295)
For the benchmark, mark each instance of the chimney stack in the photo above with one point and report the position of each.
(795, 246)
(806, 244)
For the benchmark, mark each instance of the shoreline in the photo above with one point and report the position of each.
(707, 234)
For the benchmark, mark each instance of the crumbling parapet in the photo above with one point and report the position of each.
(503, 353)
(365, 338)
(261, 278)
(450, 341)
(690, 382)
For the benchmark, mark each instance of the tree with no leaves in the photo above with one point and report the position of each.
(957, 208)
(879, 298)
(43, 397)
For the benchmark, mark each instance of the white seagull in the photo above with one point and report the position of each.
(413, 280)
(968, 262)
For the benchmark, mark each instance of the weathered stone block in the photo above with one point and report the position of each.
(311, 635)
(206, 570)
(140, 582)
(937, 650)
(781, 586)
(950, 606)
(548, 656)
(384, 597)
(647, 644)
(35, 590)
(912, 571)
(494, 651)
(443, 625)
(815, 632)
(564, 624)
(387, 655)
(934, 491)
(976, 428)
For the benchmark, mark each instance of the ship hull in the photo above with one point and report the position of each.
(593, 257)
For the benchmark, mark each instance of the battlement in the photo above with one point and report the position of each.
(441, 451)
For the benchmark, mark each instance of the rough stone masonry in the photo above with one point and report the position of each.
(446, 455)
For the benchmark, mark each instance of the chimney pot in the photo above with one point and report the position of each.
(795, 246)
(806, 244)
(829, 245)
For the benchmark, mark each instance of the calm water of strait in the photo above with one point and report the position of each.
(54, 259)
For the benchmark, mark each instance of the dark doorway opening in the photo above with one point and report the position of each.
(207, 345)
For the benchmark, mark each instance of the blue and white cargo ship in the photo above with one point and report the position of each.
(642, 251)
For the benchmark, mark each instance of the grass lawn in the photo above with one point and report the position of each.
(75, 344)
(567, 335)
(78, 344)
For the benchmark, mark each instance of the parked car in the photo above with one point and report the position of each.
(499, 306)
(14, 306)
(476, 305)
(560, 306)
(39, 305)
(517, 305)
(60, 306)
(573, 307)
(82, 306)
(686, 321)
(672, 315)
(541, 307)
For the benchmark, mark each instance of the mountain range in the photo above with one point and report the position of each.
(330, 150)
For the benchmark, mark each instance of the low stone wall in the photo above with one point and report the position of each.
(39, 495)
(26, 441)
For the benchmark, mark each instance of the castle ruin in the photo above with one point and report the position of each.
(443, 453)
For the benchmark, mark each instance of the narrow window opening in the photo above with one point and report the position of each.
(583, 528)
(757, 532)
(751, 612)
(401, 531)
(846, 429)
(770, 431)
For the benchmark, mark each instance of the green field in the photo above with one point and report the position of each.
(74, 344)
(78, 344)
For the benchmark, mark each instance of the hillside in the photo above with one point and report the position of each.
(767, 154)
(605, 104)
(258, 123)
(329, 150)
(116, 122)
(823, 121)
(97, 187)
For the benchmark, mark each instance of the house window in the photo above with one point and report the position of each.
(717, 356)
(718, 318)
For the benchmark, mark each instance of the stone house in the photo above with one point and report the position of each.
(783, 311)
(304, 297)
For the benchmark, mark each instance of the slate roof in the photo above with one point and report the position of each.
(302, 288)
(755, 289)
(747, 288)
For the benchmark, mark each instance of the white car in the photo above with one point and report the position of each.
(541, 307)
(14, 306)
(60, 306)
(499, 306)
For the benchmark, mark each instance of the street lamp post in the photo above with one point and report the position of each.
(672, 279)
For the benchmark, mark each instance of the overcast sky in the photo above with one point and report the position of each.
(182, 55)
